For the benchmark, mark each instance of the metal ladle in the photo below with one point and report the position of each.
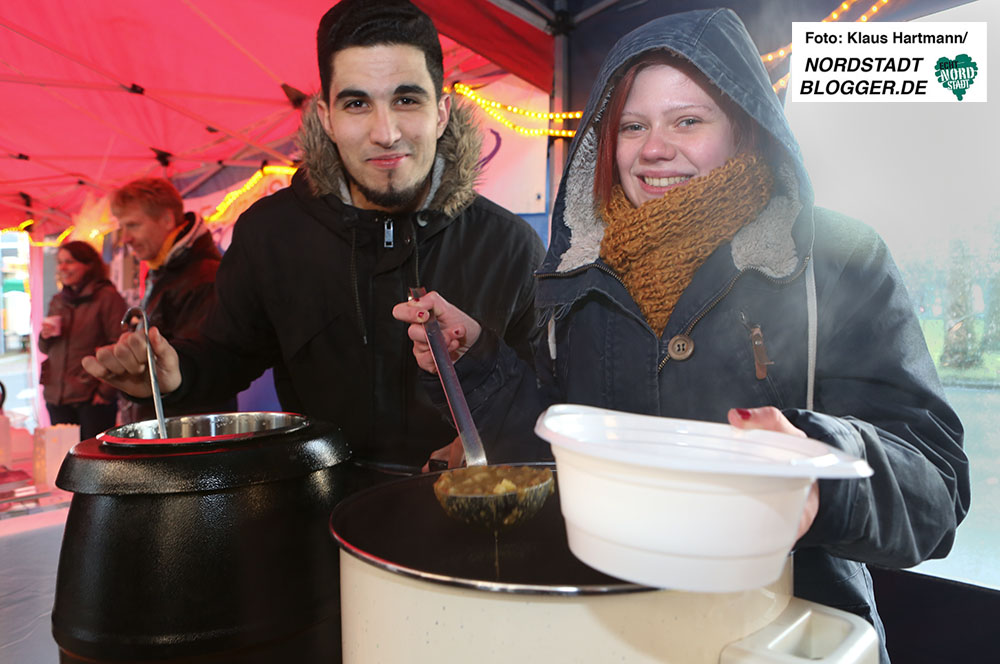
(494, 511)
(137, 312)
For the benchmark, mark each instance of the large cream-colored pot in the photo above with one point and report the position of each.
(419, 587)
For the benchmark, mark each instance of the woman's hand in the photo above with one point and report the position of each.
(48, 330)
(771, 419)
(459, 330)
(123, 364)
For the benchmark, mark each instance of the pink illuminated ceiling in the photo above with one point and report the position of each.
(93, 94)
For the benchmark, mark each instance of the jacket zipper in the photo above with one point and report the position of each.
(388, 235)
(607, 270)
(576, 270)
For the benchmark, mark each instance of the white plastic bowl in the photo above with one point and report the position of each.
(680, 504)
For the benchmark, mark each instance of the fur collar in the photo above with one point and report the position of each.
(453, 179)
(765, 243)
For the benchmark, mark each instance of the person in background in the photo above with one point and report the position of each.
(84, 314)
(385, 201)
(182, 261)
(690, 275)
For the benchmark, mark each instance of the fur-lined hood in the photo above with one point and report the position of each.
(716, 42)
(453, 179)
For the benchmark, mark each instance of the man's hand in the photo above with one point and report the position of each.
(771, 419)
(459, 330)
(123, 364)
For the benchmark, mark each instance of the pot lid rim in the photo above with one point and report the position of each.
(94, 469)
(624, 587)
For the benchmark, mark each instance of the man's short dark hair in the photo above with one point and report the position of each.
(377, 23)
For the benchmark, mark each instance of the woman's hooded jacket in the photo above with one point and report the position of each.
(818, 293)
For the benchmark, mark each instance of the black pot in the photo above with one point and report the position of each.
(209, 545)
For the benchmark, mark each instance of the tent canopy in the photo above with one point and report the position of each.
(204, 91)
(97, 93)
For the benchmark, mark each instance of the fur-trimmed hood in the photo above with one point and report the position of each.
(716, 42)
(453, 179)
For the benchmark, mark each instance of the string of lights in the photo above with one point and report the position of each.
(835, 15)
(466, 91)
(494, 110)
(232, 197)
(23, 228)
(781, 53)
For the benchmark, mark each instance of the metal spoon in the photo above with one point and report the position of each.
(475, 455)
(494, 511)
(137, 312)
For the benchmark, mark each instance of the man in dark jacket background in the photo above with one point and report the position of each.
(182, 260)
(385, 201)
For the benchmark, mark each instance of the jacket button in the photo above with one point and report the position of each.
(680, 347)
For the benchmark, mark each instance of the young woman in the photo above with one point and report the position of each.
(84, 315)
(690, 275)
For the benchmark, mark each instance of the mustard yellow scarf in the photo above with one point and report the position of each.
(657, 247)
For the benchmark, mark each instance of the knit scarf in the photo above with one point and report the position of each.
(657, 247)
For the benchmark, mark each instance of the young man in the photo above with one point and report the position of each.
(385, 201)
(182, 261)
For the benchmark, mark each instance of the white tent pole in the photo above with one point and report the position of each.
(560, 97)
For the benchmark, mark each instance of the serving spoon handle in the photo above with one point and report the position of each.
(475, 455)
(137, 312)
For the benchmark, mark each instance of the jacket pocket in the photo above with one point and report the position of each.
(45, 373)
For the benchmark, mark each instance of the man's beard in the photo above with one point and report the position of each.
(391, 198)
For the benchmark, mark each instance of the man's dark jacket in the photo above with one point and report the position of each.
(309, 282)
(179, 295)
